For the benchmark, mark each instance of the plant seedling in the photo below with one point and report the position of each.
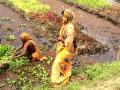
(11, 38)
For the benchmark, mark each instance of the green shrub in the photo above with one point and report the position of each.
(5, 50)
(6, 55)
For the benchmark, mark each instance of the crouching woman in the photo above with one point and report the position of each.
(30, 49)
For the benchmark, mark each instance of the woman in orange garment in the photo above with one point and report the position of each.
(30, 48)
(61, 69)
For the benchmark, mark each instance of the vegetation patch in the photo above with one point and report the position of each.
(93, 3)
(6, 56)
(11, 38)
(30, 5)
(28, 77)
(20, 73)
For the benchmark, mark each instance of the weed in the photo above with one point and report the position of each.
(48, 61)
(5, 18)
(5, 50)
(27, 76)
(11, 38)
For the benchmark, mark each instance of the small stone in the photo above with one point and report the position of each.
(13, 21)
(22, 25)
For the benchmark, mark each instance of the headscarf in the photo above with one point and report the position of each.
(25, 37)
(69, 14)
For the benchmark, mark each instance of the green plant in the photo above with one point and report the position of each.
(11, 38)
(93, 3)
(30, 6)
(6, 55)
(49, 60)
(23, 61)
(27, 76)
(5, 50)
(5, 18)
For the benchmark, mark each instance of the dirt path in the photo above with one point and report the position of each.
(100, 29)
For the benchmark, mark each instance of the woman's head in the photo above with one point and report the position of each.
(68, 15)
(25, 37)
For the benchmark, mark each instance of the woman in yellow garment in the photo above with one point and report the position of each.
(61, 69)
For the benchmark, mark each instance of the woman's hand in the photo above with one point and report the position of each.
(61, 39)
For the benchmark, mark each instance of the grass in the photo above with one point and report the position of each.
(93, 3)
(99, 71)
(6, 55)
(30, 6)
(98, 76)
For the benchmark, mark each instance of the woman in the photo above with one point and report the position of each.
(61, 69)
(30, 48)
